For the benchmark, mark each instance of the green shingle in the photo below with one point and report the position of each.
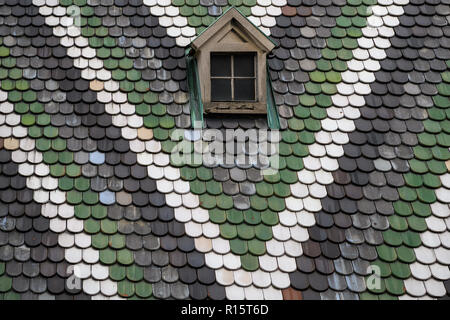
(125, 257)
(385, 269)
(81, 184)
(238, 246)
(411, 239)
(258, 203)
(276, 204)
(107, 256)
(228, 231)
(117, 272)
(224, 202)
(249, 262)
(418, 166)
(406, 254)
(421, 209)
(50, 157)
(235, 216)
(264, 189)
(99, 212)
(99, 241)
(74, 197)
(125, 288)
(436, 167)
(283, 190)
(252, 217)
(394, 286)
(402, 208)
(392, 238)
(217, 216)
(5, 283)
(263, 232)
(143, 289)
(386, 253)
(207, 201)
(413, 180)
(91, 226)
(400, 270)
(135, 273)
(245, 231)
(398, 223)
(108, 226)
(256, 247)
(117, 241)
(417, 224)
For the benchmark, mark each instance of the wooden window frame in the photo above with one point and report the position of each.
(258, 106)
(232, 77)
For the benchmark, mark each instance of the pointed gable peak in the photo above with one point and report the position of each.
(238, 30)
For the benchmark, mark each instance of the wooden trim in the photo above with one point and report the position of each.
(236, 107)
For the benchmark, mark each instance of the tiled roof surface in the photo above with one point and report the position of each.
(91, 206)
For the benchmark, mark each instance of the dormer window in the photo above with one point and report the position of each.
(227, 69)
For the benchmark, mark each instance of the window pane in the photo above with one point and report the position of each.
(220, 65)
(220, 89)
(244, 89)
(244, 65)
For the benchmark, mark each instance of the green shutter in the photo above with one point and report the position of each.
(273, 122)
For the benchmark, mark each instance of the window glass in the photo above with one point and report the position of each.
(220, 65)
(221, 89)
(244, 89)
(244, 65)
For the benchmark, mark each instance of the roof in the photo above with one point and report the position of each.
(91, 206)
